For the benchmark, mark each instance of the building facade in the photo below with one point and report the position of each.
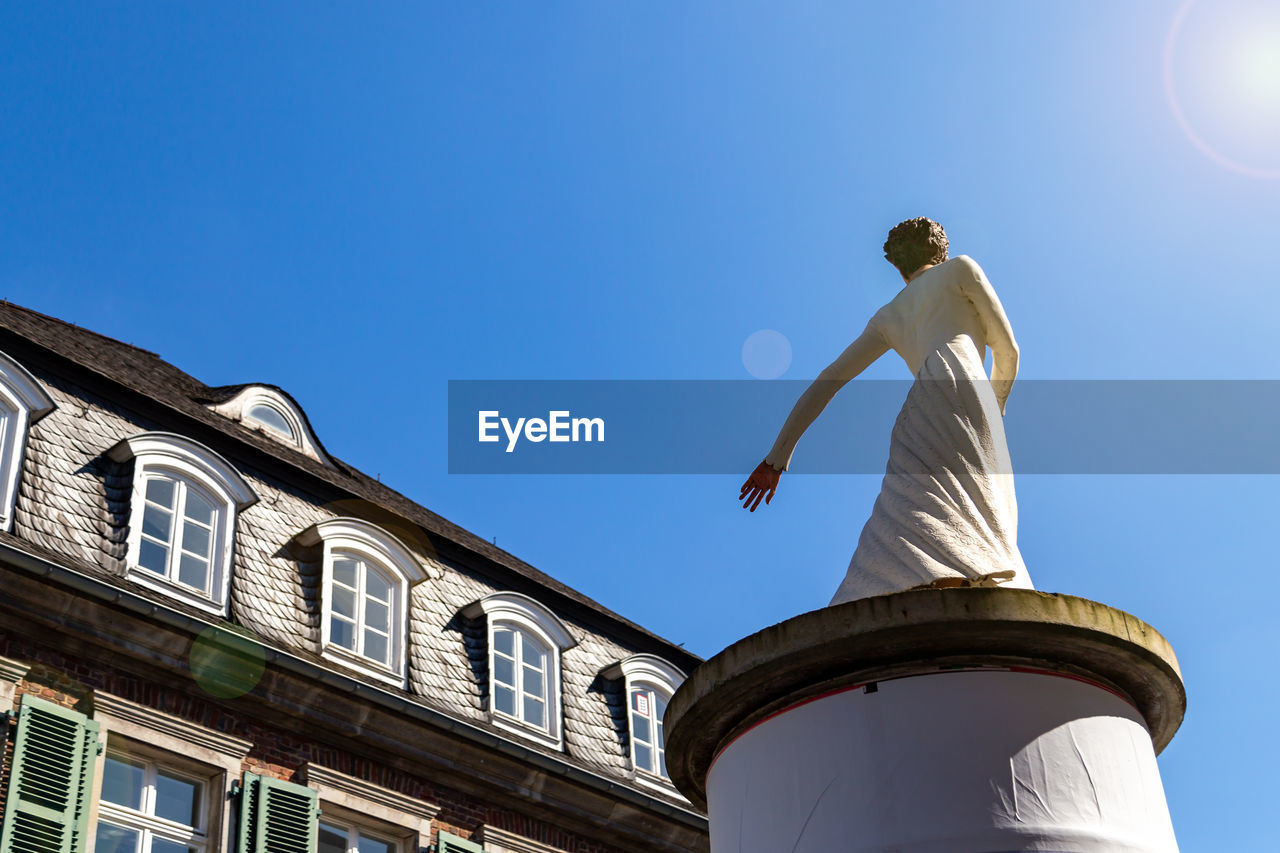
(215, 636)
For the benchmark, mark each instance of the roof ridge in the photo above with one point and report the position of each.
(43, 316)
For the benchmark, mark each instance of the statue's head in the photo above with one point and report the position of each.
(914, 243)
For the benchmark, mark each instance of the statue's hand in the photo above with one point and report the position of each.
(762, 483)
(1002, 389)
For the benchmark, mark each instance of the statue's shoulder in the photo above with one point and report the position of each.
(964, 263)
(961, 271)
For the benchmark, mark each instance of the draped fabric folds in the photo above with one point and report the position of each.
(946, 506)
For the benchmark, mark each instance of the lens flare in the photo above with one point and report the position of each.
(1222, 67)
(766, 354)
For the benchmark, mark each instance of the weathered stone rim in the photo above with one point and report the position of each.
(912, 633)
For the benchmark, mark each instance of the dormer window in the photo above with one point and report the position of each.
(178, 534)
(22, 401)
(368, 573)
(520, 665)
(182, 517)
(362, 599)
(525, 643)
(273, 413)
(650, 683)
(271, 418)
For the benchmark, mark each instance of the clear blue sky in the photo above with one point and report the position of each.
(359, 202)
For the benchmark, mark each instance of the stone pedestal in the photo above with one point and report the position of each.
(937, 720)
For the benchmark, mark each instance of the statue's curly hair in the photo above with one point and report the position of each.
(914, 243)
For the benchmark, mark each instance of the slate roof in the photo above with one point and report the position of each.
(74, 502)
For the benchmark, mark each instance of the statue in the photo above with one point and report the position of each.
(946, 514)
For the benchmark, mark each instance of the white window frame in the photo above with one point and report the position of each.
(355, 829)
(303, 439)
(175, 457)
(523, 614)
(23, 401)
(650, 672)
(145, 820)
(358, 539)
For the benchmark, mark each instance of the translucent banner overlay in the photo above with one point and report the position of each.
(727, 426)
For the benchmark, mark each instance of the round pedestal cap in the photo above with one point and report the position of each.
(914, 633)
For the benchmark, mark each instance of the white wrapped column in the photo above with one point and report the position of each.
(941, 720)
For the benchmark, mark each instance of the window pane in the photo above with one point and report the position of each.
(342, 633)
(152, 556)
(344, 602)
(504, 699)
(195, 539)
(344, 572)
(157, 522)
(160, 490)
(533, 653)
(662, 764)
(373, 845)
(533, 682)
(533, 711)
(376, 615)
(640, 731)
(504, 641)
(644, 757)
(122, 783)
(272, 418)
(504, 671)
(177, 799)
(376, 586)
(193, 571)
(164, 845)
(375, 646)
(332, 839)
(198, 508)
(115, 839)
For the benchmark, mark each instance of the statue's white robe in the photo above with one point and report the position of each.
(946, 506)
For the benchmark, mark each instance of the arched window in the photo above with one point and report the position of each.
(364, 600)
(271, 417)
(521, 663)
(525, 643)
(22, 401)
(650, 683)
(182, 517)
(275, 414)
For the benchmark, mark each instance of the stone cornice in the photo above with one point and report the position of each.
(193, 733)
(503, 841)
(323, 778)
(13, 671)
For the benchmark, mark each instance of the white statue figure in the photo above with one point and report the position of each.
(946, 514)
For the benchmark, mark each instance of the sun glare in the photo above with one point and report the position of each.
(1222, 81)
(1259, 69)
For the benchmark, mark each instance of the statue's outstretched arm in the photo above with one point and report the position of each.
(856, 358)
(996, 328)
(763, 482)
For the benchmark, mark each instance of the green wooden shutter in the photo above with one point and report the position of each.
(276, 816)
(51, 780)
(449, 843)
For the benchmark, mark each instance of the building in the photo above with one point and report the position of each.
(216, 636)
